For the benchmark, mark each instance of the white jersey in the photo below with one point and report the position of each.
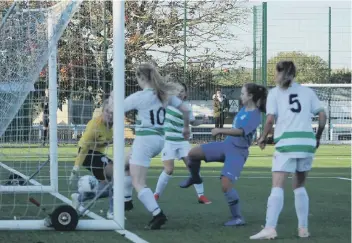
(293, 109)
(174, 124)
(151, 113)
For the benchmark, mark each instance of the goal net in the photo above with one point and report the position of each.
(336, 99)
(55, 72)
(24, 49)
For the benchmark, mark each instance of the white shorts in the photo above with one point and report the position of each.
(172, 151)
(285, 163)
(144, 148)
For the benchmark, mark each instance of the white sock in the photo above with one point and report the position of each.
(275, 205)
(128, 188)
(162, 183)
(147, 198)
(111, 200)
(199, 189)
(302, 206)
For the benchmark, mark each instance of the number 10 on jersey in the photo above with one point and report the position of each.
(160, 116)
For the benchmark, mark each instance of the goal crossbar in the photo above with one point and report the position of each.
(328, 85)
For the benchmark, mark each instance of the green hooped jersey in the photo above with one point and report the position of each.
(150, 111)
(293, 109)
(174, 124)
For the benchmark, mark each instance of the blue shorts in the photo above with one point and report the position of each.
(233, 158)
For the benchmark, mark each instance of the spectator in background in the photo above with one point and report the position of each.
(220, 105)
(45, 106)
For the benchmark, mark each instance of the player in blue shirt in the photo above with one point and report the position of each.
(233, 151)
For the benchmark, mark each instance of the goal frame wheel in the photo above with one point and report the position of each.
(64, 218)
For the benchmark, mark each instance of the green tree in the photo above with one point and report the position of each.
(310, 68)
(154, 30)
(233, 77)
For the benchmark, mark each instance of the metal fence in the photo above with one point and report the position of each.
(70, 135)
(257, 37)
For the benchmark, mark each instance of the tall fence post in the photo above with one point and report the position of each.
(185, 42)
(264, 51)
(255, 22)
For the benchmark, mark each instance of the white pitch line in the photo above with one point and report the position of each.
(343, 178)
(125, 233)
(257, 177)
(316, 158)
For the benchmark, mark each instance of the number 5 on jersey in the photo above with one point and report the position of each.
(293, 100)
(160, 116)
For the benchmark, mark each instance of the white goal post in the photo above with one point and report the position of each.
(26, 216)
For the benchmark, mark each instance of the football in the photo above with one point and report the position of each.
(87, 183)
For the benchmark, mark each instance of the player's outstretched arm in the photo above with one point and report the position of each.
(196, 123)
(318, 109)
(134, 101)
(321, 127)
(227, 131)
(193, 120)
(186, 120)
(244, 128)
(185, 110)
(272, 112)
(270, 120)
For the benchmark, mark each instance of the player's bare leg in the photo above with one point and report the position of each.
(103, 190)
(128, 184)
(198, 187)
(274, 207)
(164, 178)
(145, 195)
(233, 201)
(108, 171)
(301, 203)
(128, 188)
(166, 175)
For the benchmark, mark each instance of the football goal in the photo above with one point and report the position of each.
(52, 73)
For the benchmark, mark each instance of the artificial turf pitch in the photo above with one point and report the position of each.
(329, 217)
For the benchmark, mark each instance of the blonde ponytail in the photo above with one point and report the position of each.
(163, 87)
